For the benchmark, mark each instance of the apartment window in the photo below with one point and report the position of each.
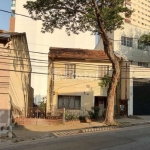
(142, 46)
(126, 41)
(143, 64)
(102, 71)
(70, 71)
(69, 101)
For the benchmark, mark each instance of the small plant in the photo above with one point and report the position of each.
(70, 116)
(94, 112)
(105, 81)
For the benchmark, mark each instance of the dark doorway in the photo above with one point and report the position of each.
(100, 102)
(123, 107)
(141, 97)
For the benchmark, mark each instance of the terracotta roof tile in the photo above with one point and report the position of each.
(76, 53)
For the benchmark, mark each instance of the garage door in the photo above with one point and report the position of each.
(141, 97)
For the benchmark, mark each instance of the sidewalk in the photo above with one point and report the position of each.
(34, 132)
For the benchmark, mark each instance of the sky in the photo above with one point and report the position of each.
(5, 17)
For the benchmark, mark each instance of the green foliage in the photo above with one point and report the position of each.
(94, 113)
(105, 81)
(145, 39)
(71, 116)
(78, 15)
(42, 106)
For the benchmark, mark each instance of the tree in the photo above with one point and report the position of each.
(42, 105)
(97, 16)
(145, 39)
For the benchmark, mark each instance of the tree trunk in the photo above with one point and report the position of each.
(109, 117)
(108, 48)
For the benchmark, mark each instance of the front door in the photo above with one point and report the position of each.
(100, 102)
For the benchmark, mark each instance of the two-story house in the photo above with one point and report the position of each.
(73, 81)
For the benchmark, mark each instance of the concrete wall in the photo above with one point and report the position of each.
(15, 77)
(40, 42)
(20, 77)
(4, 85)
(130, 53)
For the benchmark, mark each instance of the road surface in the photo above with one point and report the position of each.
(131, 138)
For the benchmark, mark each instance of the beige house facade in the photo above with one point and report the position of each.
(16, 94)
(74, 77)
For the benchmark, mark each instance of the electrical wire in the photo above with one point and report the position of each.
(15, 13)
(22, 51)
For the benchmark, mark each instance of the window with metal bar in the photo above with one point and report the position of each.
(126, 41)
(103, 70)
(70, 71)
(69, 101)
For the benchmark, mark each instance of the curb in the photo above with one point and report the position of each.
(94, 129)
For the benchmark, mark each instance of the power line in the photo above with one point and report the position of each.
(15, 58)
(89, 66)
(15, 13)
(62, 75)
(24, 51)
(22, 64)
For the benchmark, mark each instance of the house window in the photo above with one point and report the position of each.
(102, 71)
(126, 41)
(70, 71)
(142, 46)
(69, 101)
(143, 64)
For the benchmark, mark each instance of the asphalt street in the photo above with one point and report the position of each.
(131, 138)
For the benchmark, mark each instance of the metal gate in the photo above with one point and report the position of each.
(141, 97)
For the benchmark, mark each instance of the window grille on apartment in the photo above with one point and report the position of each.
(126, 41)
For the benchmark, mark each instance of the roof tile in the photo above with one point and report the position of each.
(76, 53)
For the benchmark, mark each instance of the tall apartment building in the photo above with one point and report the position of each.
(141, 15)
(40, 42)
(126, 41)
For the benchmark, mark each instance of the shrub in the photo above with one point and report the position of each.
(94, 112)
(70, 116)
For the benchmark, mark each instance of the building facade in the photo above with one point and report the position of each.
(126, 43)
(74, 77)
(40, 42)
(16, 94)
